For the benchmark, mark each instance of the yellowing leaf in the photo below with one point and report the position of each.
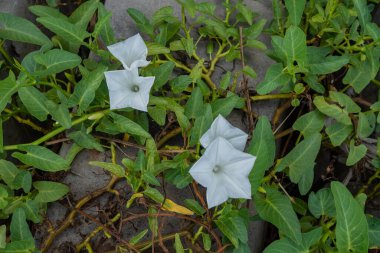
(173, 207)
(133, 197)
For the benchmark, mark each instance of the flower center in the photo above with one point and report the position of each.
(135, 88)
(216, 169)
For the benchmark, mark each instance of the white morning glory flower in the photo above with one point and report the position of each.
(131, 52)
(221, 127)
(224, 171)
(128, 89)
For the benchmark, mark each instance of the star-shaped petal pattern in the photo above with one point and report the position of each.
(224, 171)
(222, 128)
(128, 89)
(131, 52)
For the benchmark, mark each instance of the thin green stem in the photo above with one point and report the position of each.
(59, 130)
(377, 82)
(5, 54)
(272, 96)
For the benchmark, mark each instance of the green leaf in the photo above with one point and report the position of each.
(56, 61)
(32, 210)
(206, 241)
(106, 32)
(1, 136)
(158, 114)
(156, 48)
(263, 146)
(84, 13)
(322, 203)
(309, 123)
(171, 105)
(3, 198)
(138, 237)
(23, 180)
(356, 153)
(279, 51)
(338, 133)
(155, 195)
(19, 228)
(178, 244)
(246, 12)
(295, 46)
(201, 125)
(188, 44)
(64, 29)
(361, 73)
(189, 6)
(194, 206)
(366, 124)
(276, 208)
(8, 172)
(274, 78)
(373, 232)
(150, 179)
(314, 83)
(302, 157)
(20, 247)
(41, 158)
(126, 125)
(362, 12)
(180, 83)
(249, 71)
(284, 246)
(233, 227)
(226, 80)
(194, 106)
(332, 110)
(162, 74)
(351, 224)
(85, 140)
(287, 246)
(345, 101)
(115, 169)
(8, 87)
(306, 181)
(295, 9)
(49, 191)
(52, 3)
(3, 236)
(329, 64)
(256, 44)
(46, 11)
(143, 24)
(206, 8)
(224, 106)
(373, 30)
(60, 113)
(84, 92)
(34, 101)
(20, 29)
(196, 72)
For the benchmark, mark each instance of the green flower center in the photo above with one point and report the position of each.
(135, 88)
(216, 169)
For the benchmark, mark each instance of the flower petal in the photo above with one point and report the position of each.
(237, 186)
(202, 172)
(216, 193)
(131, 52)
(222, 128)
(120, 85)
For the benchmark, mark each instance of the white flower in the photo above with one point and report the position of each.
(222, 128)
(224, 171)
(131, 53)
(128, 89)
